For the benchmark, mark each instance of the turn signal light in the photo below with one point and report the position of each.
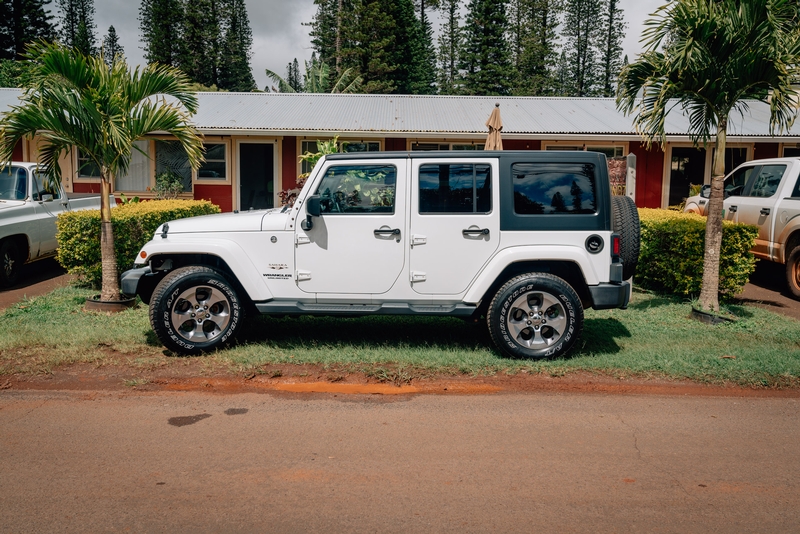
(615, 245)
(143, 254)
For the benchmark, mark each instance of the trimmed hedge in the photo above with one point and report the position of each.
(134, 225)
(673, 244)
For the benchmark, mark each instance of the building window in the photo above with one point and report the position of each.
(422, 147)
(171, 157)
(459, 188)
(138, 176)
(215, 166)
(86, 167)
(544, 188)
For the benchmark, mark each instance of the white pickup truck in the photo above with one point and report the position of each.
(29, 207)
(765, 193)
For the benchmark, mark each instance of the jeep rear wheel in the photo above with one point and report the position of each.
(626, 223)
(793, 272)
(195, 309)
(535, 315)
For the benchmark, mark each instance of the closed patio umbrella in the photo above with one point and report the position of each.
(495, 124)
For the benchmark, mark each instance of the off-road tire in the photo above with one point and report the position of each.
(10, 263)
(194, 310)
(793, 272)
(535, 315)
(625, 222)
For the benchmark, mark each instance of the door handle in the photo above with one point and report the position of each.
(475, 231)
(733, 209)
(387, 231)
(764, 211)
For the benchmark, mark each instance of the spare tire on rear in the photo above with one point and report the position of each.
(625, 222)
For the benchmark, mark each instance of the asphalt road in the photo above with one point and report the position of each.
(193, 462)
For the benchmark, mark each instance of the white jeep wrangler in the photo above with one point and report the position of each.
(525, 239)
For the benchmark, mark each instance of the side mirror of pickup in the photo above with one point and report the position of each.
(47, 197)
(312, 210)
(705, 191)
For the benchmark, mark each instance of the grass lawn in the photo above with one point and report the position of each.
(654, 337)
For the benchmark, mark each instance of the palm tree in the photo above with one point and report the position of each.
(78, 101)
(709, 58)
(317, 79)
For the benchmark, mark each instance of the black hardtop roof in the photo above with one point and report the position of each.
(530, 155)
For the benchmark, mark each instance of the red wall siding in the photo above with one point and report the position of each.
(93, 187)
(17, 154)
(288, 164)
(395, 144)
(221, 195)
(765, 150)
(649, 175)
(521, 144)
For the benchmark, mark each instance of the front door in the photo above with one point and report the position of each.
(455, 223)
(256, 176)
(357, 245)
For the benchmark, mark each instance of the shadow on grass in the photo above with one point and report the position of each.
(600, 337)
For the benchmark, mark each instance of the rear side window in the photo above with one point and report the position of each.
(767, 181)
(548, 188)
(455, 188)
(358, 189)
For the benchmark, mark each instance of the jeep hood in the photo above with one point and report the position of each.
(245, 221)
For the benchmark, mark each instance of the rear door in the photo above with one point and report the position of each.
(455, 223)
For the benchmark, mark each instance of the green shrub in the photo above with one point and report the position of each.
(134, 225)
(671, 258)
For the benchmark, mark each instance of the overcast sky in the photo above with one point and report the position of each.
(279, 35)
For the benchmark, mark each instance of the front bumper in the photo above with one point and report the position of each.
(141, 281)
(609, 296)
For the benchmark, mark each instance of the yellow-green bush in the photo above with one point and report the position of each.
(673, 244)
(134, 225)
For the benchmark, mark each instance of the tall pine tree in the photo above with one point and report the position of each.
(161, 25)
(111, 46)
(582, 30)
(201, 41)
(535, 45)
(613, 31)
(235, 73)
(485, 57)
(426, 63)
(21, 22)
(293, 77)
(449, 51)
(77, 25)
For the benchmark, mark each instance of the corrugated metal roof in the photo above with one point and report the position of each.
(409, 115)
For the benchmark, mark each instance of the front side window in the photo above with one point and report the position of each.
(734, 184)
(455, 188)
(550, 188)
(358, 189)
(43, 186)
(767, 181)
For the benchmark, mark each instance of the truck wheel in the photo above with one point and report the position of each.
(11, 264)
(626, 223)
(793, 272)
(535, 315)
(194, 309)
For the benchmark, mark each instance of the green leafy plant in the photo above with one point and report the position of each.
(169, 185)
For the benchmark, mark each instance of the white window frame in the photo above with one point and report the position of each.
(203, 180)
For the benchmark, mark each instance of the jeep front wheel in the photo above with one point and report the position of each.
(535, 315)
(194, 309)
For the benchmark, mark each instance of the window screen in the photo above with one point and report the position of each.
(171, 157)
(546, 188)
(455, 188)
(358, 189)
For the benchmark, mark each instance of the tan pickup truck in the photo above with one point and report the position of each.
(766, 194)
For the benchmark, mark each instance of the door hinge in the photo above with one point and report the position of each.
(302, 275)
(418, 276)
(418, 240)
(301, 239)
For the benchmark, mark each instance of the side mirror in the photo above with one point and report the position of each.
(47, 198)
(312, 210)
(705, 191)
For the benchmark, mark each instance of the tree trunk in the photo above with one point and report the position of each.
(110, 281)
(709, 292)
